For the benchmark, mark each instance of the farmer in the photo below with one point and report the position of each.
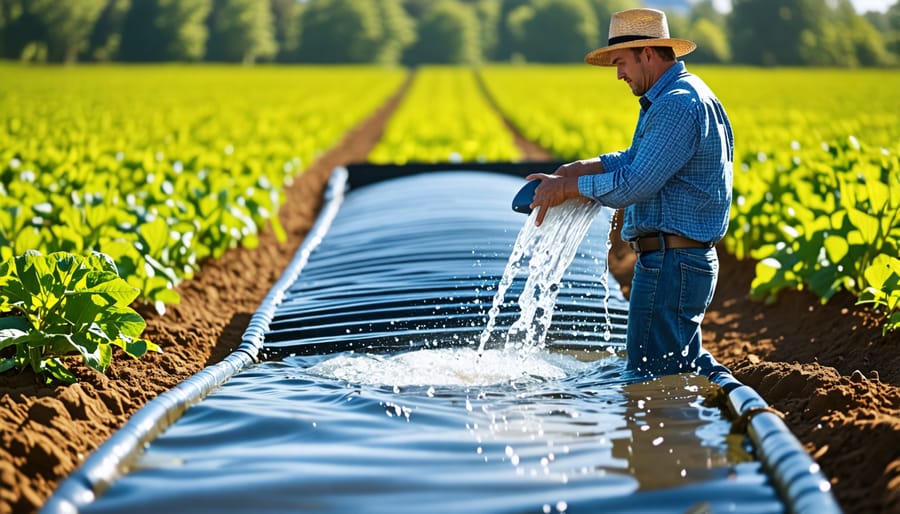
(674, 183)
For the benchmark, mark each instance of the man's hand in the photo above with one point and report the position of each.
(552, 191)
(578, 168)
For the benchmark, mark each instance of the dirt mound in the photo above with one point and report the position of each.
(829, 369)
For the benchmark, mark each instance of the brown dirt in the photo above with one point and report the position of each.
(828, 368)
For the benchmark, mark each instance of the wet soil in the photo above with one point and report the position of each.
(826, 367)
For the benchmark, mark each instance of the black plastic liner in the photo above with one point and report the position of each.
(288, 320)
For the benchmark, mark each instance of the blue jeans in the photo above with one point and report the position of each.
(670, 293)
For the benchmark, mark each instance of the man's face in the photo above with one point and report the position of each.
(632, 68)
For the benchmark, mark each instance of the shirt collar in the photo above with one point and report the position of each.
(662, 84)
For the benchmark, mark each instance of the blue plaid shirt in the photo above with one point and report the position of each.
(676, 175)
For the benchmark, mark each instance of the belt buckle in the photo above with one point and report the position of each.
(635, 245)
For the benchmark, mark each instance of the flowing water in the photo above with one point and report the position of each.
(419, 405)
(549, 250)
(544, 253)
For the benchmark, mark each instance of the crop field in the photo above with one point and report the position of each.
(445, 117)
(157, 168)
(161, 167)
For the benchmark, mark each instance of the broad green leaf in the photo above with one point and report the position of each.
(77, 302)
(89, 349)
(28, 239)
(878, 194)
(102, 262)
(880, 271)
(156, 235)
(30, 268)
(123, 322)
(116, 289)
(865, 223)
(836, 248)
(67, 272)
(139, 347)
(83, 308)
(13, 294)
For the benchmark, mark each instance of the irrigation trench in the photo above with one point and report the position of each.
(796, 476)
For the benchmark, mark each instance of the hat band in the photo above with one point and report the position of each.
(625, 39)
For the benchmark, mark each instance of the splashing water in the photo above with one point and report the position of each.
(604, 280)
(546, 252)
(447, 367)
(549, 249)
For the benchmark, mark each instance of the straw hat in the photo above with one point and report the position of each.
(635, 28)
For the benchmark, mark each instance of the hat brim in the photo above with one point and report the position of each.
(601, 57)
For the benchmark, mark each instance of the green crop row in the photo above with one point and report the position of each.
(445, 117)
(825, 218)
(161, 167)
(817, 180)
(573, 112)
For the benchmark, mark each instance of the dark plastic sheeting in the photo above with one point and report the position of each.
(282, 319)
(398, 274)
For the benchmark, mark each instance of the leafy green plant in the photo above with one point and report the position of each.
(89, 163)
(883, 291)
(827, 222)
(61, 304)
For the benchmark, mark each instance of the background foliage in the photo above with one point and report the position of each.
(411, 32)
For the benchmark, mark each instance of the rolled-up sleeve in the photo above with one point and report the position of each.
(666, 140)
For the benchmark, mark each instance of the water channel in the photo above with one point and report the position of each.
(373, 395)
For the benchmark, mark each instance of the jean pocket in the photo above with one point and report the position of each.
(649, 261)
(702, 259)
(697, 287)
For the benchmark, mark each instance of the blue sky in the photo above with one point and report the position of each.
(860, 5)
(872, 5)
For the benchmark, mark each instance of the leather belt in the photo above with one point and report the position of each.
(650, 242)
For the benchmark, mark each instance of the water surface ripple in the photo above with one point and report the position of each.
(276, 438)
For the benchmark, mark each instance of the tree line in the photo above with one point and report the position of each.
(411, 32)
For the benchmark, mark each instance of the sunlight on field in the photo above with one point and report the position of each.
(101, 157)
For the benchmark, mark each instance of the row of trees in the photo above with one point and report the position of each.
(759, 32)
